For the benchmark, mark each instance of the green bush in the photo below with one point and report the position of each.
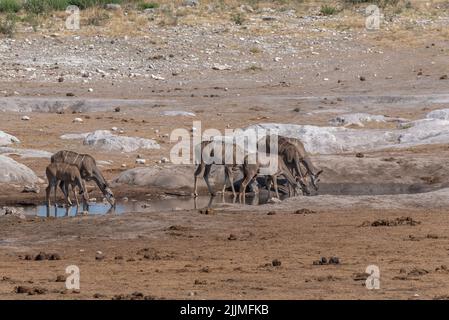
(10, 6)
(328, 10)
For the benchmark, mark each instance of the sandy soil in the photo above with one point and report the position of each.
(229, 253)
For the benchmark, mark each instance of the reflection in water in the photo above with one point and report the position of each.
(174, 203)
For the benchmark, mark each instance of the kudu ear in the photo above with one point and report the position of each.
(318, 173)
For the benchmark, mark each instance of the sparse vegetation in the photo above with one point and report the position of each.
(98, 18)
(8, 25)
(238, 18)
(10, 6)
(147, 5)
(327, 10)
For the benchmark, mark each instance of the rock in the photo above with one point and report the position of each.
(7, 139)
(221, 67)
(117, 109)
(141, 161)
(41, 256)
(359, 155)
(178, 113)
(60, 278)
(334, 260)
(441, 114)
(99, 256)
(276, 263)
(274, 200)
(14, 172)
(90, 90)
(14, 212)
(170, 177)
(78, 120)
(157, 77)
(25, 118)
(207, 211)
(31, 189)
(232, 237)
(362, 78)
(359, 119)
(305, 211)
(104, 139)
(444, 77)
(113, 7)
(30, 290)
(191, 3)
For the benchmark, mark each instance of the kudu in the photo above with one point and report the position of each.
(70, 176)
(88, 170)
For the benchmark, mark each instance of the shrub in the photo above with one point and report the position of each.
(10, 6)
(238, 18)
(147, 5)
(328, 10)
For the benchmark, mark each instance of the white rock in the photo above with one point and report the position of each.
(360, 118)
(7, 139)
(74, 136)
(78, 120)
(25, 118)
(441, 114)
(157, 77)
(104, 139)
(25, 153)
(13, 172)
(221, 67)
(178, 113)
(140, 161)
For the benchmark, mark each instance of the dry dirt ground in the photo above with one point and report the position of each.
(304, 72)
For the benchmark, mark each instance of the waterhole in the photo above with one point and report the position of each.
(189, 203)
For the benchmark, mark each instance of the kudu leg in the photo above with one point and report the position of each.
(206, 178)
(198, 171)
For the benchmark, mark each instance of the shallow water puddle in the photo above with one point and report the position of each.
(175, 203)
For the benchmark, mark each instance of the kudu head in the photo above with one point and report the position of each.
(107, 192)
(314, 179)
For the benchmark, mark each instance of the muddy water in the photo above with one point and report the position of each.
(175, 203)
(189, 203)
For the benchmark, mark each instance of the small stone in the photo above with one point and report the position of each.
(113, 7)
(78, 120)
(140, 161)
(90, 90)
(276, 263)
(25, 118)
(334, 260)
(362, 78)
(31, 189)
(232, 237)
(359, 155)
(60, 278)
(40, 256)
(117, 109)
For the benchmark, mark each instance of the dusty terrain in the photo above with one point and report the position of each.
(291, 68)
